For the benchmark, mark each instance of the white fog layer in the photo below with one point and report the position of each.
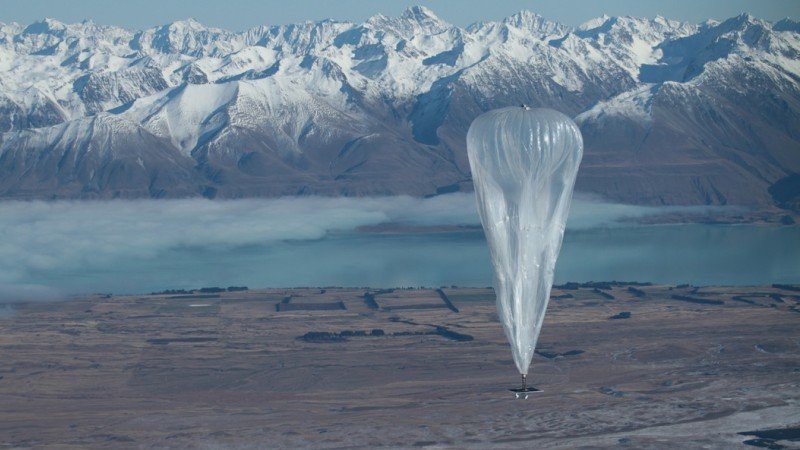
(85, 238)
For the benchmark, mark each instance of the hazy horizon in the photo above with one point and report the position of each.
(148, 13)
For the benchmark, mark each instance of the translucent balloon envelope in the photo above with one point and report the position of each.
(524, 162)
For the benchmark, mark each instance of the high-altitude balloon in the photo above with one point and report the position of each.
(524, 162)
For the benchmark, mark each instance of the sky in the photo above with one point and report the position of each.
(243, 14)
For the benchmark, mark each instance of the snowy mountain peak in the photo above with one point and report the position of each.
(420, 14)
(189, 25)
(593, 23)
(45, 26)
(425, 18)
(745, 17)
(787, 25)
(188, 37)
(741, 22)
(532, 22)
(523, 18)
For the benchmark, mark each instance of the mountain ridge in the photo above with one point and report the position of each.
(671, 112)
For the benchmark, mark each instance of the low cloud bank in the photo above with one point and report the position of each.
(23, 293)
(41, 237)
(592, 212)
(29, 293)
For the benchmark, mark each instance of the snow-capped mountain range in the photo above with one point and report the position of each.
(671, 112)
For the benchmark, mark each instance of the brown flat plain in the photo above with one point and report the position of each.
(231, 371)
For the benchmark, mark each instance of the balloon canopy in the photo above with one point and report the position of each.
(524, 162)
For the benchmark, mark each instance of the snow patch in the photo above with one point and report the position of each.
(635, 105)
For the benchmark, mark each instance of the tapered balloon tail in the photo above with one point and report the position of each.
(525, 390)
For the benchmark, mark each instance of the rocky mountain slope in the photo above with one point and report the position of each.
(672, 113)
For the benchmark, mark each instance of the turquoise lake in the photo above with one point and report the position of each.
(674, 254)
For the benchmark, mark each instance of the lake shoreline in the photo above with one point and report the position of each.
(765, 218)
